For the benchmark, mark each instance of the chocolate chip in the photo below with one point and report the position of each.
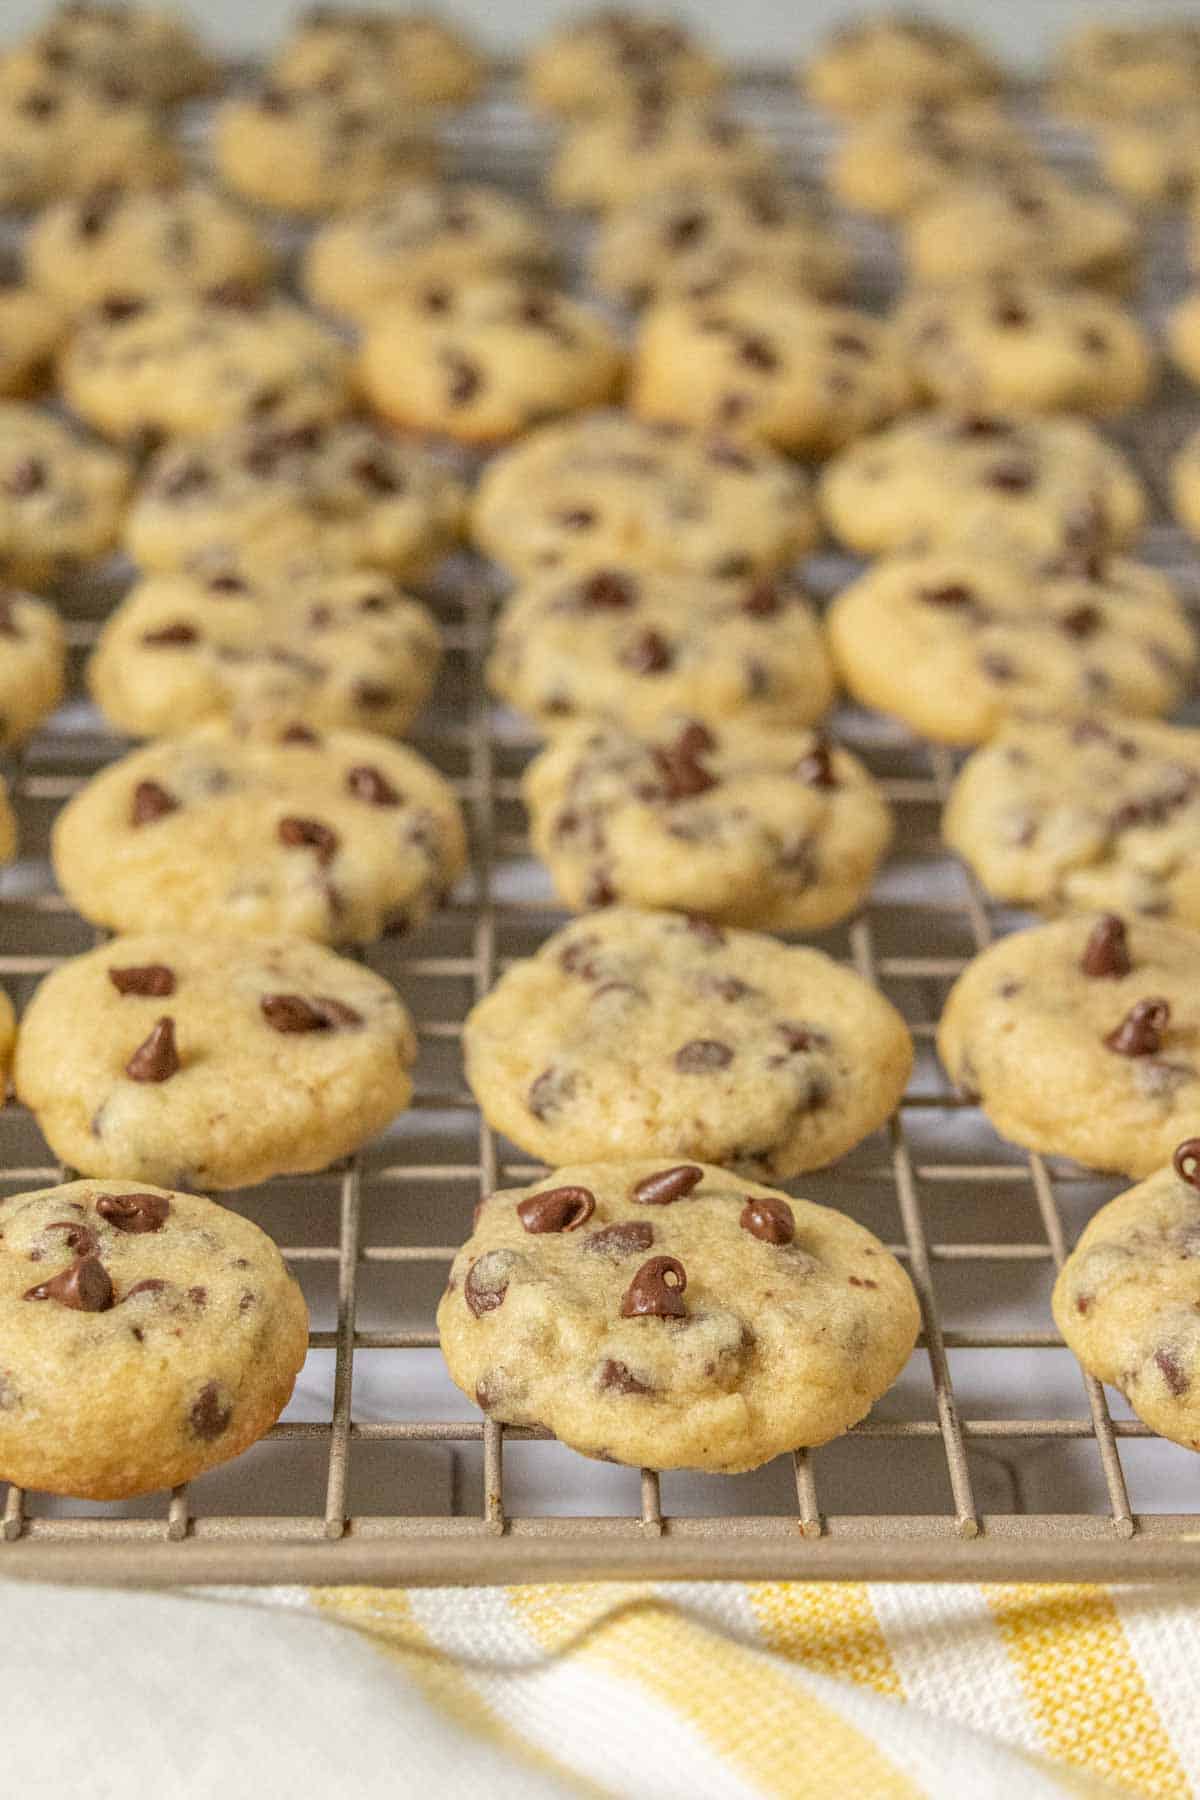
(710, 935)
(156, 1058)
(997, 666)
(299, 734)
(686, 229)
(210, 1412)
(682, 775)
(151, 802)
(816, 766)
(755, 351)
(950, 593)
(801, 1038)
(648, 654)
(1010, 314)
(289, 1013)
(599, 890)
(550, 1091)
(1106, 953)
(576, 518)
(616, 1378)
(1141, 1031)
(151, 1285)
(1176, 1378)
(134, 1213)
(29, 476)
(97, 209)
(634, 1235)
(702, 1056)
(557, 1209)
(608, 590)
(1010, 477)
(487, 1282)
(465, 377)
(771, 1220)
(178, 480)
(78, 1239)
(309, 834)
(1082, 621)
(367, 783)
(115, 309)
(83, 1287)
(373, 696)
(762, 601)
(1187, 1161)
(656, 1291)
(152, 979)
(668, 1185)
(169, 636)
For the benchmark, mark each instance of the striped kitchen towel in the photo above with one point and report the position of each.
(656, 1692)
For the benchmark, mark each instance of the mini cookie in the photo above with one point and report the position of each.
(1078, 1039)
(640, 646)
(347, 650)
(31, 327)
(488, 360)
(897, 57)
(694, 240)
(1072, 817)
(1183, 334)
(188, 367)
(1185, 485)
(33, 664)
(617, 158)
(894, 160)
(674, 1316)
(119, 244)
(145, 1336)
(422, 57)
(1128, 1298)
(989, 482)
(606, 485)
(1033, 221)
(1105, 69)
(772, 829)
(342, 837)
(1153, 157)
(373, 498)
(63, 135)
(606, 58)
(419, 238)
(211, 1062)
(958, 646)
(61, 498)
(1025, 344)
(313, 152)
(756, 361)
(153, 54)
(649, 1032)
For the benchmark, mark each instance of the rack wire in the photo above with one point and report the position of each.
(993, 1457)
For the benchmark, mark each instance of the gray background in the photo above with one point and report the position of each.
(1022, 30)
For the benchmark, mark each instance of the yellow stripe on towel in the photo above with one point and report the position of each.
(831, 1630)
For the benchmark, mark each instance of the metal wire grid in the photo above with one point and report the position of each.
(937, 1173)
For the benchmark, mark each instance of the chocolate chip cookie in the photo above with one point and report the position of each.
(413, 241)
(674, 1315)
(1032, 220)
(1079, 1038)
(764, 364)
(33, 663)
(695, 241)
(607, 486)
(191, 366)
(642, 1033)
(1023, 344)
(310, 152)
(61, 497)
(616, 158)
(118, 244)
(775, 829)
(145, 1336)
(1128, 1299)
(604, 59)
(958, 646)
(62, 134)
(894, 159)
(372, 498)
(151, 53)
(211, 1061)
(339, 836)
(889, 57)
(639, 646)
(31, 328)
(423, 58)
(1105, 69)
(487, 361)
(992, 482)
(1070, 817)
(341, 650)
(1153, 158)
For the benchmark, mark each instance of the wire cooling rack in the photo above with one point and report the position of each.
(993, 1457)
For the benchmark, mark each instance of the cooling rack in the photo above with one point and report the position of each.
(992, 1458)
